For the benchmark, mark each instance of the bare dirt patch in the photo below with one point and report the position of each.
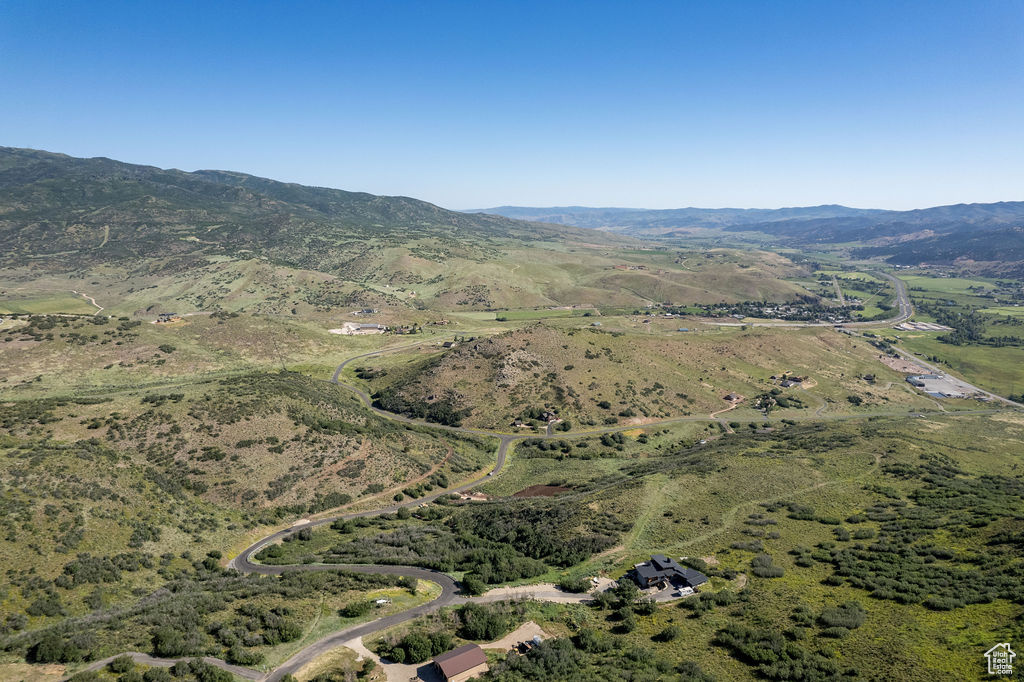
(32, 672)
(524, 633)
(902, 365)
(541, 491)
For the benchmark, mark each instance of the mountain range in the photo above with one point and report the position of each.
(59, 207)
(990, 233)
(74, 211)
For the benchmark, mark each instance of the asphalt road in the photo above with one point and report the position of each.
(243, 563)
(902, 302)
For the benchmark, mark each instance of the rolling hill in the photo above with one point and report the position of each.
(86, 211)
(146, 238)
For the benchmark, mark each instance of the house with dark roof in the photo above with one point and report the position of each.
(462, 663)
(662, 571)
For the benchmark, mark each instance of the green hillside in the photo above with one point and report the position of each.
(85, 211)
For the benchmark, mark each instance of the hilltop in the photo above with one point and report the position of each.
(87, 211)
(149, 239)
(620, 374)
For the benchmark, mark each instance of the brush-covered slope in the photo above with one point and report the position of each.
(596, 376)
(85, 211)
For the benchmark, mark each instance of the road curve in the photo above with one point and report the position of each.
(243, 563)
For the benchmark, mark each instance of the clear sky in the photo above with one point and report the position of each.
(478, 103)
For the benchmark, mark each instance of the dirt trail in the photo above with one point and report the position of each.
(92, 300)
(730, 514)
(733, 406)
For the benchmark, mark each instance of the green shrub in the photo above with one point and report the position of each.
(472, 584)
(121, 664)
(850, 615)
(593, 641)
(85, 676)
(764, 567)
(669, 634)
(481, 623)
(577, 585)
(835, 633)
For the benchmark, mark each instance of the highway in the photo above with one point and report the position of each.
(450, 595)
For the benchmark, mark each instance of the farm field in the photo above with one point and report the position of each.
(946, 285)
(1000, 370)
(45, 304)
(1012, 311)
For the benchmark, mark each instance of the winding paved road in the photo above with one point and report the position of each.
(450, 595)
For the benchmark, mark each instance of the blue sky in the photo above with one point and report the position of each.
(474, 104)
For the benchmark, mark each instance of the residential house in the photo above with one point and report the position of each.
(661, 571)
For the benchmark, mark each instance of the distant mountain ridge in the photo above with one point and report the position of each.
(783, 221)
(640, 219)
(97, 210)
(989, 233)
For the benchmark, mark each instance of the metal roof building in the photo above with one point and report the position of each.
(462, 663)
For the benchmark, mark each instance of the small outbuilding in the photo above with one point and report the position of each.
(462, 663)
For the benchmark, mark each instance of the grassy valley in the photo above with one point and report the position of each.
(547, 405)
